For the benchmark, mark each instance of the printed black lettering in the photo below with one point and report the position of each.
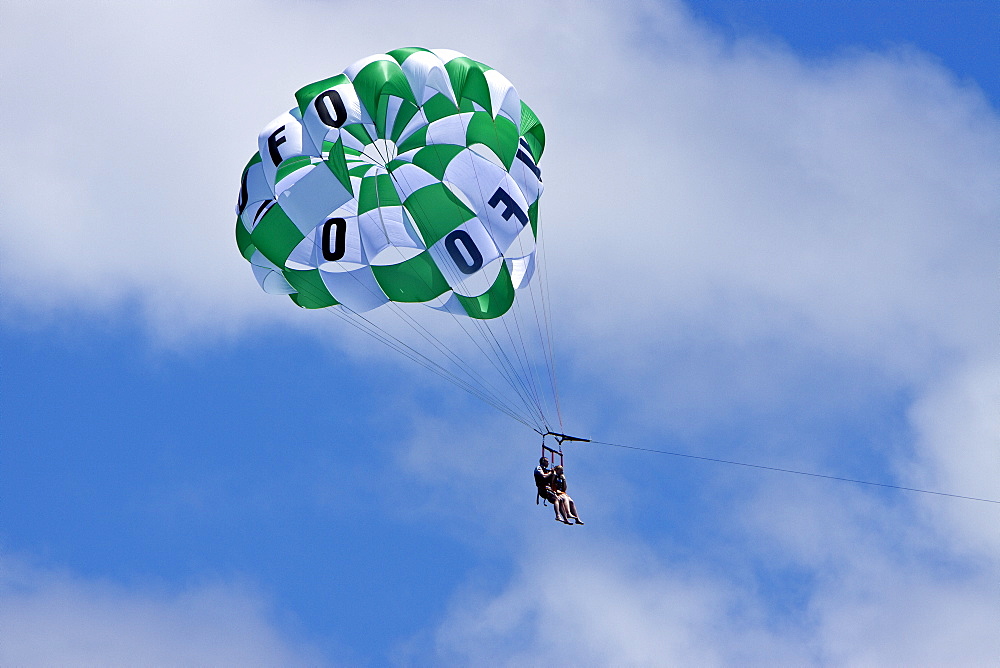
(471, 260)
(335, 251)
(526, 159)
(273, 142)
(264, 207)
(244, 195)
(511, 207)
(323, 104)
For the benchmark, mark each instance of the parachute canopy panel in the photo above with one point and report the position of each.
(410, 177)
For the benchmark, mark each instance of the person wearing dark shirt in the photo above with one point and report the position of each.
(543, 483)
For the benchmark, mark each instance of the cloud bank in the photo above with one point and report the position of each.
(742, 245)
(51, 618)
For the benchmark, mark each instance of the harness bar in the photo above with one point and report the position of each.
(564, 437)
(554, 452)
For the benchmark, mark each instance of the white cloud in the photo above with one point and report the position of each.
(732, 233)
(690, 184)
(603, 603)
(595, 610)
(52, 618)
(788, 571)
(133, 123)
(791, 574)
(897, 616)
(694, 190)
(744, 234)
(958, 448)
(847, 205)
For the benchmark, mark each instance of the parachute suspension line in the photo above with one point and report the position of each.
(523, 378)
(547, 315)
(525, 363)
(416, 356)
(527, 376)
(532, 375)
(496, 361)
(527, 334)
(447, 351)
(429, 366)
(517, 381)
(392, 342)
(406, 351)
(486, 331)
(433, 340)
(485, 388)
(520, 350)
(805, 473)
(499, 359)
(485, 391)
(544, 338)
(455, 358)
(504, 365)
(544, 335)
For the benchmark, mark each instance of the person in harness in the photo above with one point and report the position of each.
(564, 502)
(544, 478)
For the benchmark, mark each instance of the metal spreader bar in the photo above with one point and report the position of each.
(564, 437)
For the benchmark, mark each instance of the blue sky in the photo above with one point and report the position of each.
(771, 237)
(961, 35)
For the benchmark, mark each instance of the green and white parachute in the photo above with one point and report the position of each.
(410, 178)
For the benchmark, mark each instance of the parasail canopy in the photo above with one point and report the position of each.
(411, 178)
